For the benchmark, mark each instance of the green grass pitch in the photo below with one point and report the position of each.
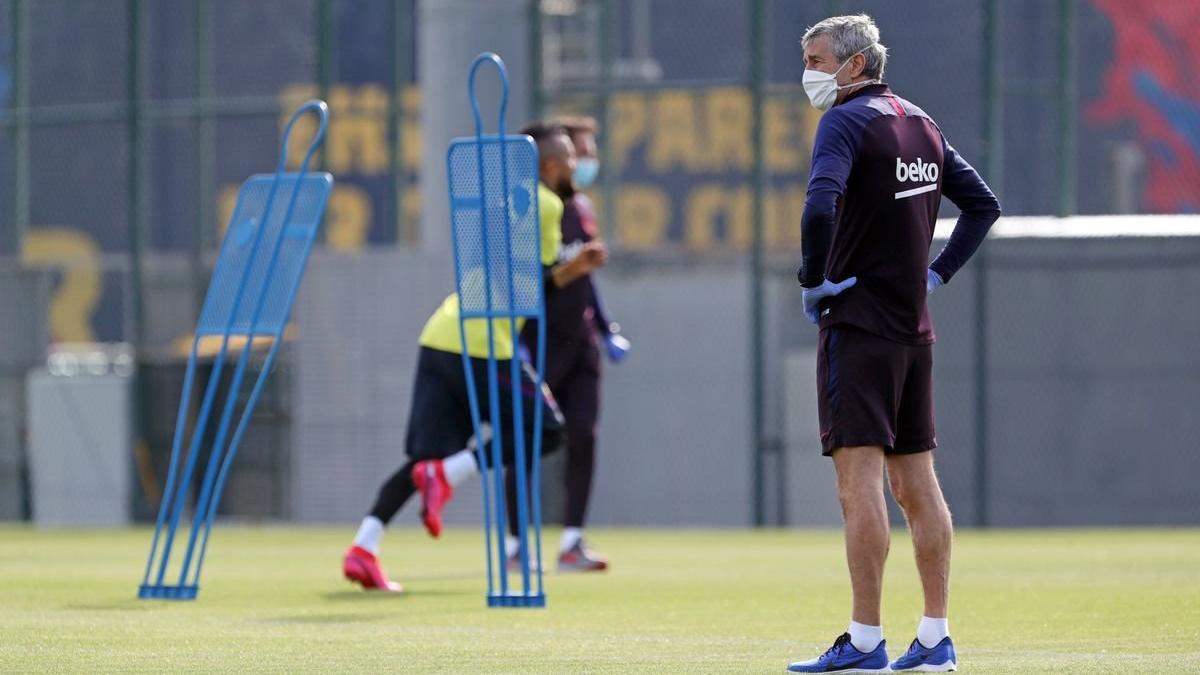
(272, 599)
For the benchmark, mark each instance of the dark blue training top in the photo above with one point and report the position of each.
(879, 169)
(574, 313)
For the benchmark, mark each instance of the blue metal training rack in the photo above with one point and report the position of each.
(498, 274)
(254, 284)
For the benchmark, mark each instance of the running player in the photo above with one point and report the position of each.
(439, 427)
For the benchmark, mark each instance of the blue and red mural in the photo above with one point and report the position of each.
(1153, 83)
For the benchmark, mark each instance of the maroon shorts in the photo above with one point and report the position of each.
(873, 391)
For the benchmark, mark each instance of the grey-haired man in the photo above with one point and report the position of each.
(879, 170)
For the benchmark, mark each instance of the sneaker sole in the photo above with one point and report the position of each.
(888, 669)
(355, 571)
(946, 667)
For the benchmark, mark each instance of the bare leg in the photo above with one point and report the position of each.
(860, 490)
(915, 487)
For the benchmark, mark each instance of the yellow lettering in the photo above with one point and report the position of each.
(348, 219)
(784, 208)
(628, 128)
(643, 213)
(739, 218)
(707, 206)
(302, 134)
(76, 297)
(410, 130)
(674, 142)
(729, 119)
(357, 140)
(411, 233)
(812, 117)
(781, 136)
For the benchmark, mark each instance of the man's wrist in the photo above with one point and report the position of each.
(809, 281)
(941, 275)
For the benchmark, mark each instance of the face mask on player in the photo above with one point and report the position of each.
(586, 170)
(822, 87)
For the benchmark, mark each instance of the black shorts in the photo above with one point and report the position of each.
(874, 391)
(440, 421)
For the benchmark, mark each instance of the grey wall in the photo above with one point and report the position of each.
(24, 305)
(1094, 378)
(1094, 381)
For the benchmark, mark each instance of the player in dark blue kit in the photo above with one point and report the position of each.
(879, 170)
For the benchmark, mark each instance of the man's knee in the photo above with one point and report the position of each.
(899, 489)
(916, 495)
(859, 471)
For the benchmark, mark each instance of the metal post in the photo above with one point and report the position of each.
(137, 165)
(536, 95)
(835, 7)
(1068, 107)
(137, 194)
(608, 54)
(20, 146)
(395, 117)
(324, 62)
(206, 137)
(757, 347)
(993, 125)
(20, 191)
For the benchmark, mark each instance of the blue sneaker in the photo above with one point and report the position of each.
(919, 659)
(842, 657)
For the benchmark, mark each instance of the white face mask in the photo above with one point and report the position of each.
(822, 87)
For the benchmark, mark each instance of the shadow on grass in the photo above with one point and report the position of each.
(451, 576)
(375, 596)
(130, 603)
(326, 618)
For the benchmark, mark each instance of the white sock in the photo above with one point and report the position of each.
(369, 534)
(932, 631)
(570, 537)
(865, 638)
(511, 545)
(459, 467)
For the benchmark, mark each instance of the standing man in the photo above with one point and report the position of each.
(880, 167)
(439, 426)
(576, 325)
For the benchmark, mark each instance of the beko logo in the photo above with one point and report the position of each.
(916, 172)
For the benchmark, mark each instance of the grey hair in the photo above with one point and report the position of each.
(849, 35)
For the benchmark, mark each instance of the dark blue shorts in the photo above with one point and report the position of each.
(874, 391)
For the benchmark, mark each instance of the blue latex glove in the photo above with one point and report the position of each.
(617, 346)
(932, 281)
(827, 289)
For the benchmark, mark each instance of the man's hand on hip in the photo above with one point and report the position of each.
(932, 281)
(827, 289)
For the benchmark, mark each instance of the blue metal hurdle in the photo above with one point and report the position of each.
(254, 284)
(498, 274)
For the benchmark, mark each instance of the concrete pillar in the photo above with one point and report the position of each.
(451, 33)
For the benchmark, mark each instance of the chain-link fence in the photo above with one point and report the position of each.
(127, 125)
(127, 128)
